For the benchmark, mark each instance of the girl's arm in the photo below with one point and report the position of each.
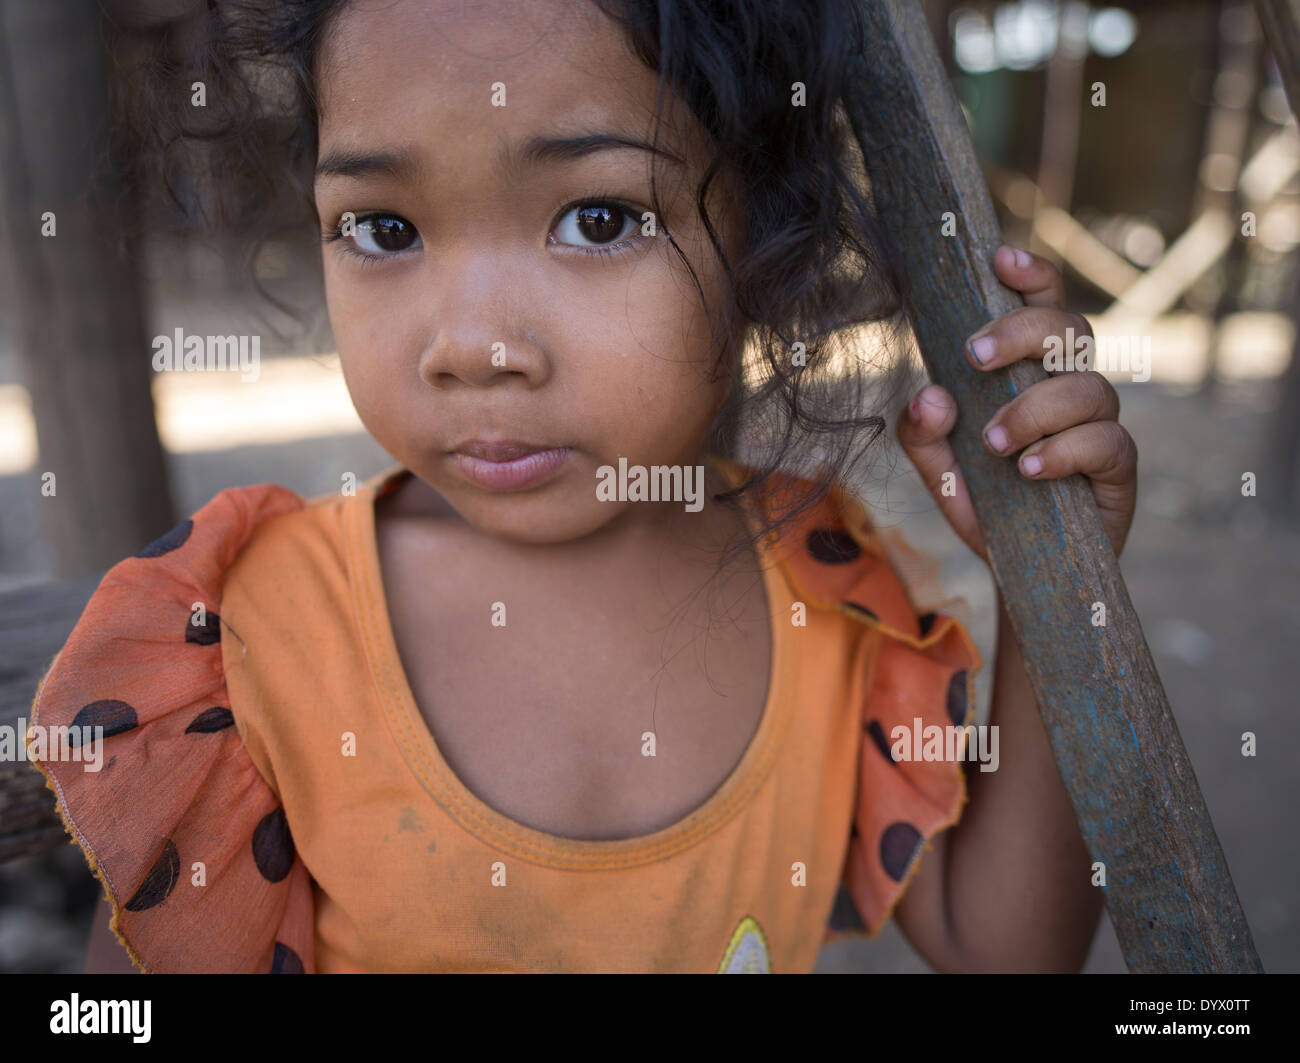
(1008, 888)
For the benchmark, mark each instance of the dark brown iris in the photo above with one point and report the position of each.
(600, 223)
(391, 234)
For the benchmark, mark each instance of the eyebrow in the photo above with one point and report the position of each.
(515, 160)
(343, 162)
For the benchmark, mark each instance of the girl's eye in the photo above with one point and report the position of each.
(596, 224)
(595, 227)
(381, 235)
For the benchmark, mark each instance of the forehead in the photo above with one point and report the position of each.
(425, 71)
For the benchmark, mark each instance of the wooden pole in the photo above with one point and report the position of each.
(1280, 21)
(1282, 449)
(1233, 114)
(77, 309)
(1059, 152)
(1170, 897)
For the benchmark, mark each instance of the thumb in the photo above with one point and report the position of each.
(923, 434)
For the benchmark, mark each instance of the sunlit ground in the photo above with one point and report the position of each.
(297, 398)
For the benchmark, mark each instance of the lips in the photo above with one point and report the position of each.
(508, 451)
(508, 465)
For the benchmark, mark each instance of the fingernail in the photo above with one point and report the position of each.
(1022, 259)
(982, 349)
(997, 438)
(1032, 464)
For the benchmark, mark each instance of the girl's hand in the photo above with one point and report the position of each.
(1058, 426)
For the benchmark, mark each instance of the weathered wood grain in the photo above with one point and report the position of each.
(1139, 808)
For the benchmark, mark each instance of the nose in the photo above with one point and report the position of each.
(478, 338)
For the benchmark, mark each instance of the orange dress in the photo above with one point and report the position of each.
(271, 799)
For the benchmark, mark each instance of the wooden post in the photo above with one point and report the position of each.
(1234, 113)
(1058, 155)
(1119, 753)
(1280, 20)
(78, 307)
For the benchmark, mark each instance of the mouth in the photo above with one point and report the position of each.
(507, 450)
(508, 465)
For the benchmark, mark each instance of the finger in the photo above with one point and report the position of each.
(1048, 407)
(923, 434)
(1026, 332)
(1101, 450)
(1038, 281)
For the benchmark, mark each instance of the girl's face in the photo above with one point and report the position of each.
(498, 287)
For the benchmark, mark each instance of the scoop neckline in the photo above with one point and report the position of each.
(423, 757)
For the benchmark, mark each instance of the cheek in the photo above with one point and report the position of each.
(638, 377)
(650, 409)
(370, 348)
(668, 366)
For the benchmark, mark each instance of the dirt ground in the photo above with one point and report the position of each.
(1213, 578)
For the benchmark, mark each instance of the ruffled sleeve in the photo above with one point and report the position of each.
(918, 687)
(187, 838)
(915, 674)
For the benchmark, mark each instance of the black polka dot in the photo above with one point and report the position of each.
(113, 716)
(286, 961)
(853, 830)
(957, 697)
(210, 720)
(273, 846)
(862, 610)
(160, 881)
(205, 634)
(172, 540)
(926, 622)
(878, 736)
(899, 846)
(831, 546)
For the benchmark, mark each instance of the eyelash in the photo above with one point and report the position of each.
(334, 233)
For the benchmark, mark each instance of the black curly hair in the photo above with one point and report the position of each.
(814, 267)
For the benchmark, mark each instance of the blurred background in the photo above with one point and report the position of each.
(1147, 149)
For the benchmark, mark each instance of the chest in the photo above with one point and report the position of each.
(587, 708)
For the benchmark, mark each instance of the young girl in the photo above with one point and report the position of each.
(503, 707)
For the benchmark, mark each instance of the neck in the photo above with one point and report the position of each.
(641, 530)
